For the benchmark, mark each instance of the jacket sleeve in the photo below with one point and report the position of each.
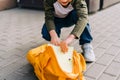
(82, 13)
(49, 16)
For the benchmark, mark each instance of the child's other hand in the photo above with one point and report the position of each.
(55, 41)
(54, 38)
(63, 46)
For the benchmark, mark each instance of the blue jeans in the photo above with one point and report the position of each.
(68, 21)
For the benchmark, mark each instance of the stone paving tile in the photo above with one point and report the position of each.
(87, 78)
(22, 73)
(117, 43)
(117, 58)
(113, 69)
(8, 61)
(107, 77)
(21, 76)
(95, 71)
(99, 52)
(118, 78)
(4, 71)
(113, 50)
(105, 59)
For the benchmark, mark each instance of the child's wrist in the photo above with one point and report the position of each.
(53, 33)
(69, 39)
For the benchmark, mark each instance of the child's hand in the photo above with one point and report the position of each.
(54, 38)
(63, 46)
(55, 41)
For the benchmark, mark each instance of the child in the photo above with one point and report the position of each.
(65, 13)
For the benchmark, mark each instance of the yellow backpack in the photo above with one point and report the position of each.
(51, 64)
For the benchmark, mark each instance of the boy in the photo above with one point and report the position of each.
(64, 13)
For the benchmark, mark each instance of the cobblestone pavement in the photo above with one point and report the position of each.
(20, 31)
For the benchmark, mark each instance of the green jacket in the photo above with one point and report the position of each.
(81, 8)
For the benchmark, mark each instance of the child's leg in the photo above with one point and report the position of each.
(86, 36)
(85, 41)
(45, 33)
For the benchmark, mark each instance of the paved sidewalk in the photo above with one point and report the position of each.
(20, 31)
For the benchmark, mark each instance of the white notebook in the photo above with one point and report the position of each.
(64, 59)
